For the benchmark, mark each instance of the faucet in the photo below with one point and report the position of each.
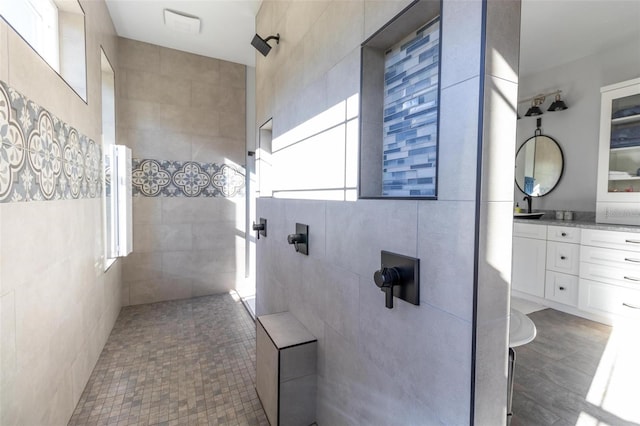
(528, 199)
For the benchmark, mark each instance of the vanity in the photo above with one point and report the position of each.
(588, 267)
(583, 268)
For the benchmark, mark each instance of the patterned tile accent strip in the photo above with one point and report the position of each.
(42, 157)
(411, 114)
(184, 362)
(156, 178)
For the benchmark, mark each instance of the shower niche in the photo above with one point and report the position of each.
(399, 105)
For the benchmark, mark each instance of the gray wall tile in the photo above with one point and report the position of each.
(461, 42)
(4, 66)
(458, 141)
(364, 348)
(357, 232)
(446, 230)
(503, 39)
(138, 56)
(499, 153)
(183, 107)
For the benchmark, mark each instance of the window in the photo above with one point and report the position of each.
(55, 30)
(400, 105)
(117, 174)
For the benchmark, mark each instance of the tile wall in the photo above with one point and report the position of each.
(42, 157)
(411, 364)
(183, 116)
(58, 305)
(152, 178)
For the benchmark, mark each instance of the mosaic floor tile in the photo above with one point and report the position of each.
(173, 363)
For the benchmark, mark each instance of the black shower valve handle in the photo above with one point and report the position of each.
(258, 227)
(296, 239)
(386, 279)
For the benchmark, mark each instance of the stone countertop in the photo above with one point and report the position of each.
(589, 223)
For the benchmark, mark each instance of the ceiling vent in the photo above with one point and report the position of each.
(181, 22)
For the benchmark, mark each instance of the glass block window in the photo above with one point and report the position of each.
(410, 114)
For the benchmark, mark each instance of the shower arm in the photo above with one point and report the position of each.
(273, 37)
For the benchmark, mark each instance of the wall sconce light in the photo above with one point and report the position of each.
(558, 104)
(535, 107)
(538, 100)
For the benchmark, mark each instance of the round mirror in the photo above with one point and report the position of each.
(539, 165)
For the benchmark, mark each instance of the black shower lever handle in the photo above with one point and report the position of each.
(296, 239)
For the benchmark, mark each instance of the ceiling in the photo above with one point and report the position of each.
(553, 31)
(227, 26)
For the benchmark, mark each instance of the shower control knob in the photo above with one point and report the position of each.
(260, 228)
(296, 240)
(398, 276)
(386, 278)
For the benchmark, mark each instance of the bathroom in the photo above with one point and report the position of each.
(577, 369)
(443, 360)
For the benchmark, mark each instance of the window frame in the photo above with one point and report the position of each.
(58, 65)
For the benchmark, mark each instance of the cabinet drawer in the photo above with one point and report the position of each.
(564, 234)
(612, 275)
(608, 300)
(561, 288)
(528, 230)
(611, 239)
(563, 257)
(610, 257)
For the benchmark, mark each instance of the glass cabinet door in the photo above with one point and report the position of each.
(624, 152)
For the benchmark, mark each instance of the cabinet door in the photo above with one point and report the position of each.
(629, 241)
(563, 257)
(609, 301)
(563, 234)
(562, 288)
(528, 266)
(618, 188)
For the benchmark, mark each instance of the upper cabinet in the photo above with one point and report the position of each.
(618, 195)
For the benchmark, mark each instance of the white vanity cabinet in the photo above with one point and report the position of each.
(545, 264)
(618, 188)
(593, 273)
(610, 274)
(563, 263)
(529, 258)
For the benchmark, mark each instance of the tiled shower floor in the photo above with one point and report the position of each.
(172, 363)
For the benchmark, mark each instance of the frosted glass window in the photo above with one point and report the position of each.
(55, 29)
(410, 114)
(37, 23)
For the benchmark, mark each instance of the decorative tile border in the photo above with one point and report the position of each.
(42, 157)
(156, 178)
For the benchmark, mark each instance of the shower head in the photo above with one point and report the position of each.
(261, 44)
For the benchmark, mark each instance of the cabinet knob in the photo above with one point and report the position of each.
(564, 234)
(563, 257)
(561, 288)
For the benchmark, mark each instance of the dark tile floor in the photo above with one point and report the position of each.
(555, 372)
(173, 363)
